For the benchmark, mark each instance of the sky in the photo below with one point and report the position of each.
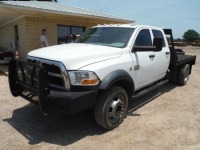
(179, 15)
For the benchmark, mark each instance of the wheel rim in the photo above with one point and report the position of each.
(187, 75)
(116, 109)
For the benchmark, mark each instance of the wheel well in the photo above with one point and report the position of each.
(119, 78)
(126, 85)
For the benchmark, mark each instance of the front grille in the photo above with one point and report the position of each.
(56, 81)
(55, 76)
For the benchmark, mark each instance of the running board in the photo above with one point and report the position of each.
(148, 89)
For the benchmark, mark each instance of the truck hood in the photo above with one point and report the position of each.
(75, 56)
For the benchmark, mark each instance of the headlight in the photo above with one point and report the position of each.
(84, 78)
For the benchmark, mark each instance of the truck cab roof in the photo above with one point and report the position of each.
(126, 25)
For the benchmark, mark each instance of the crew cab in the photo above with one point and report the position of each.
(102, 69)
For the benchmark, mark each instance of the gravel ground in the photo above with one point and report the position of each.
(167, 118)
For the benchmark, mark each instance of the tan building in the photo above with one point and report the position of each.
(23, 21)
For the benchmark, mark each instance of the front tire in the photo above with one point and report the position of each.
(111, 107)
(184, 73)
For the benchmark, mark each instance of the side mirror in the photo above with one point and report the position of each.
(158, 43)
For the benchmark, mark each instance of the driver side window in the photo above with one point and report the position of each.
(143, 38)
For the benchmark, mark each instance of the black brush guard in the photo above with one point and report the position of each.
(33, 81)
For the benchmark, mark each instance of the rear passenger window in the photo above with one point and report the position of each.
(158, 34)
(143, 38)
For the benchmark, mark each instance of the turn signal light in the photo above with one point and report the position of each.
(90, 82)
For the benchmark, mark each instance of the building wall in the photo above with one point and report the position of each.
(34, 25)
(30, 31)
(8, 35)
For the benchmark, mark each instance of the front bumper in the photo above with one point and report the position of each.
(71, 102)
(40, 93)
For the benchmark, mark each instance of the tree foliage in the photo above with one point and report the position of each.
(191, 36)
(178, 40)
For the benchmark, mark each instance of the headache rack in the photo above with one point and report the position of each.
(30, 81)
(177, 59)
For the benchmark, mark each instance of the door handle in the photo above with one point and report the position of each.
(167, 53)
(151, 56)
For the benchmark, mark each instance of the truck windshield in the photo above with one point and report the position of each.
(107, 36)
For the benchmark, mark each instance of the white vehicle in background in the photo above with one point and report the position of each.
(102, 69)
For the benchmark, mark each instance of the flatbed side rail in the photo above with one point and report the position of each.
(30, 81)
(186, 59)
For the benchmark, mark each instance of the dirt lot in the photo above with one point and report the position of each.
(165, 119)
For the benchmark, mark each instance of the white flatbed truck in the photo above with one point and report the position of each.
(102, 69)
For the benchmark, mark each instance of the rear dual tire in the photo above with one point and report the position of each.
(184, 73)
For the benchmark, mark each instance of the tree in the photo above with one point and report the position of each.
(178, 40)
(191, 36)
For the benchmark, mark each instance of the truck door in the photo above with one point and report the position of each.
(143, 62)
(162, 58)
